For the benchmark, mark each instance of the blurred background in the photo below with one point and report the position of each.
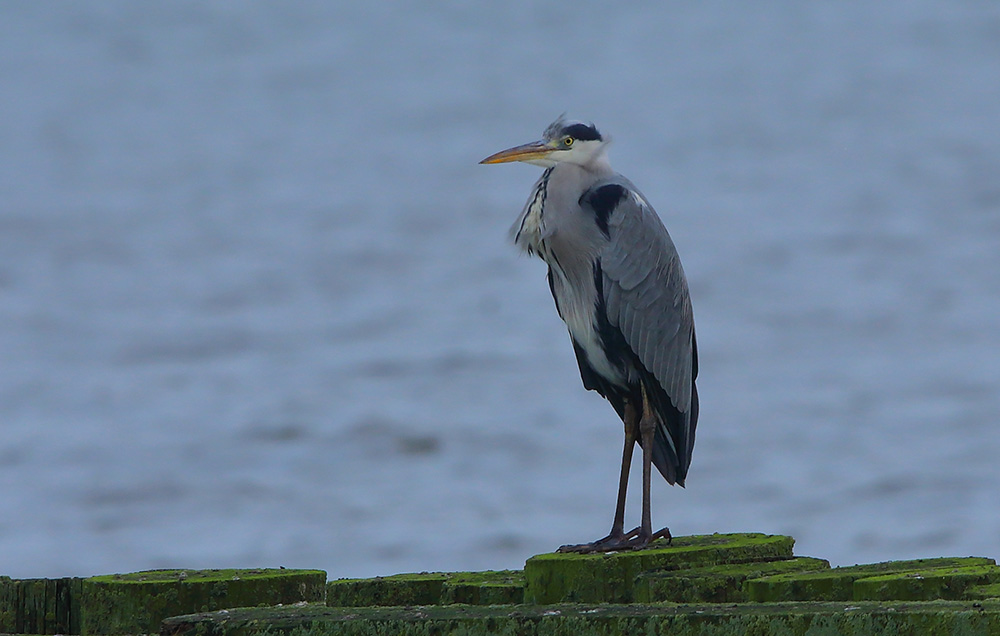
(259, 306)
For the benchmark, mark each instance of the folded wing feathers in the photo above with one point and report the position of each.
(646, 296)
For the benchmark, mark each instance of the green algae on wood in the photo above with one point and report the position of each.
(982, 592)
(609, 577)
(428, 588)
(40, 606)
(401, 589)
(7, 605)
(837, 584)
(715, 583)
(502, 587)
(785, 619)
(925, 585)
(136, 603)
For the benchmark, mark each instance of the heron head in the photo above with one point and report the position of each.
(562, 142)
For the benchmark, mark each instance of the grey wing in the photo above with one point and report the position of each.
(646, 294)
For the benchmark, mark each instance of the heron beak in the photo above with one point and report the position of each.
(526, 152)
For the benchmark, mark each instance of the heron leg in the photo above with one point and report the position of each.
(616, 539)
(631, 426)
(643, 535)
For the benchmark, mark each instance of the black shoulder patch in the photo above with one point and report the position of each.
(583, 132)
(604, 200)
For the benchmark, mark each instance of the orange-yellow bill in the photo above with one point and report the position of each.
(525, 152)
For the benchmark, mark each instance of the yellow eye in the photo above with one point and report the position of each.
(568, 141)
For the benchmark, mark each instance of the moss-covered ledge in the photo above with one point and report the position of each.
(947, 583)
(845, 583)
(784, 619)
(502, 587)
(715, 583)
(40, 606)
(611, 577)
(706, 585)
(136, 603)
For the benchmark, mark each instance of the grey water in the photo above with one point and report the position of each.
(258, 306)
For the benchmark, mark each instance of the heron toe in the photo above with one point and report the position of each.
(614, 542)
(610, 543)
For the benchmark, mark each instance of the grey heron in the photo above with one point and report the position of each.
(619, 286)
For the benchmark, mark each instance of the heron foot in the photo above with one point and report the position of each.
(616, 541)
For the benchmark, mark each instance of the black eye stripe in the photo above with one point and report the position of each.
(583, 132)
